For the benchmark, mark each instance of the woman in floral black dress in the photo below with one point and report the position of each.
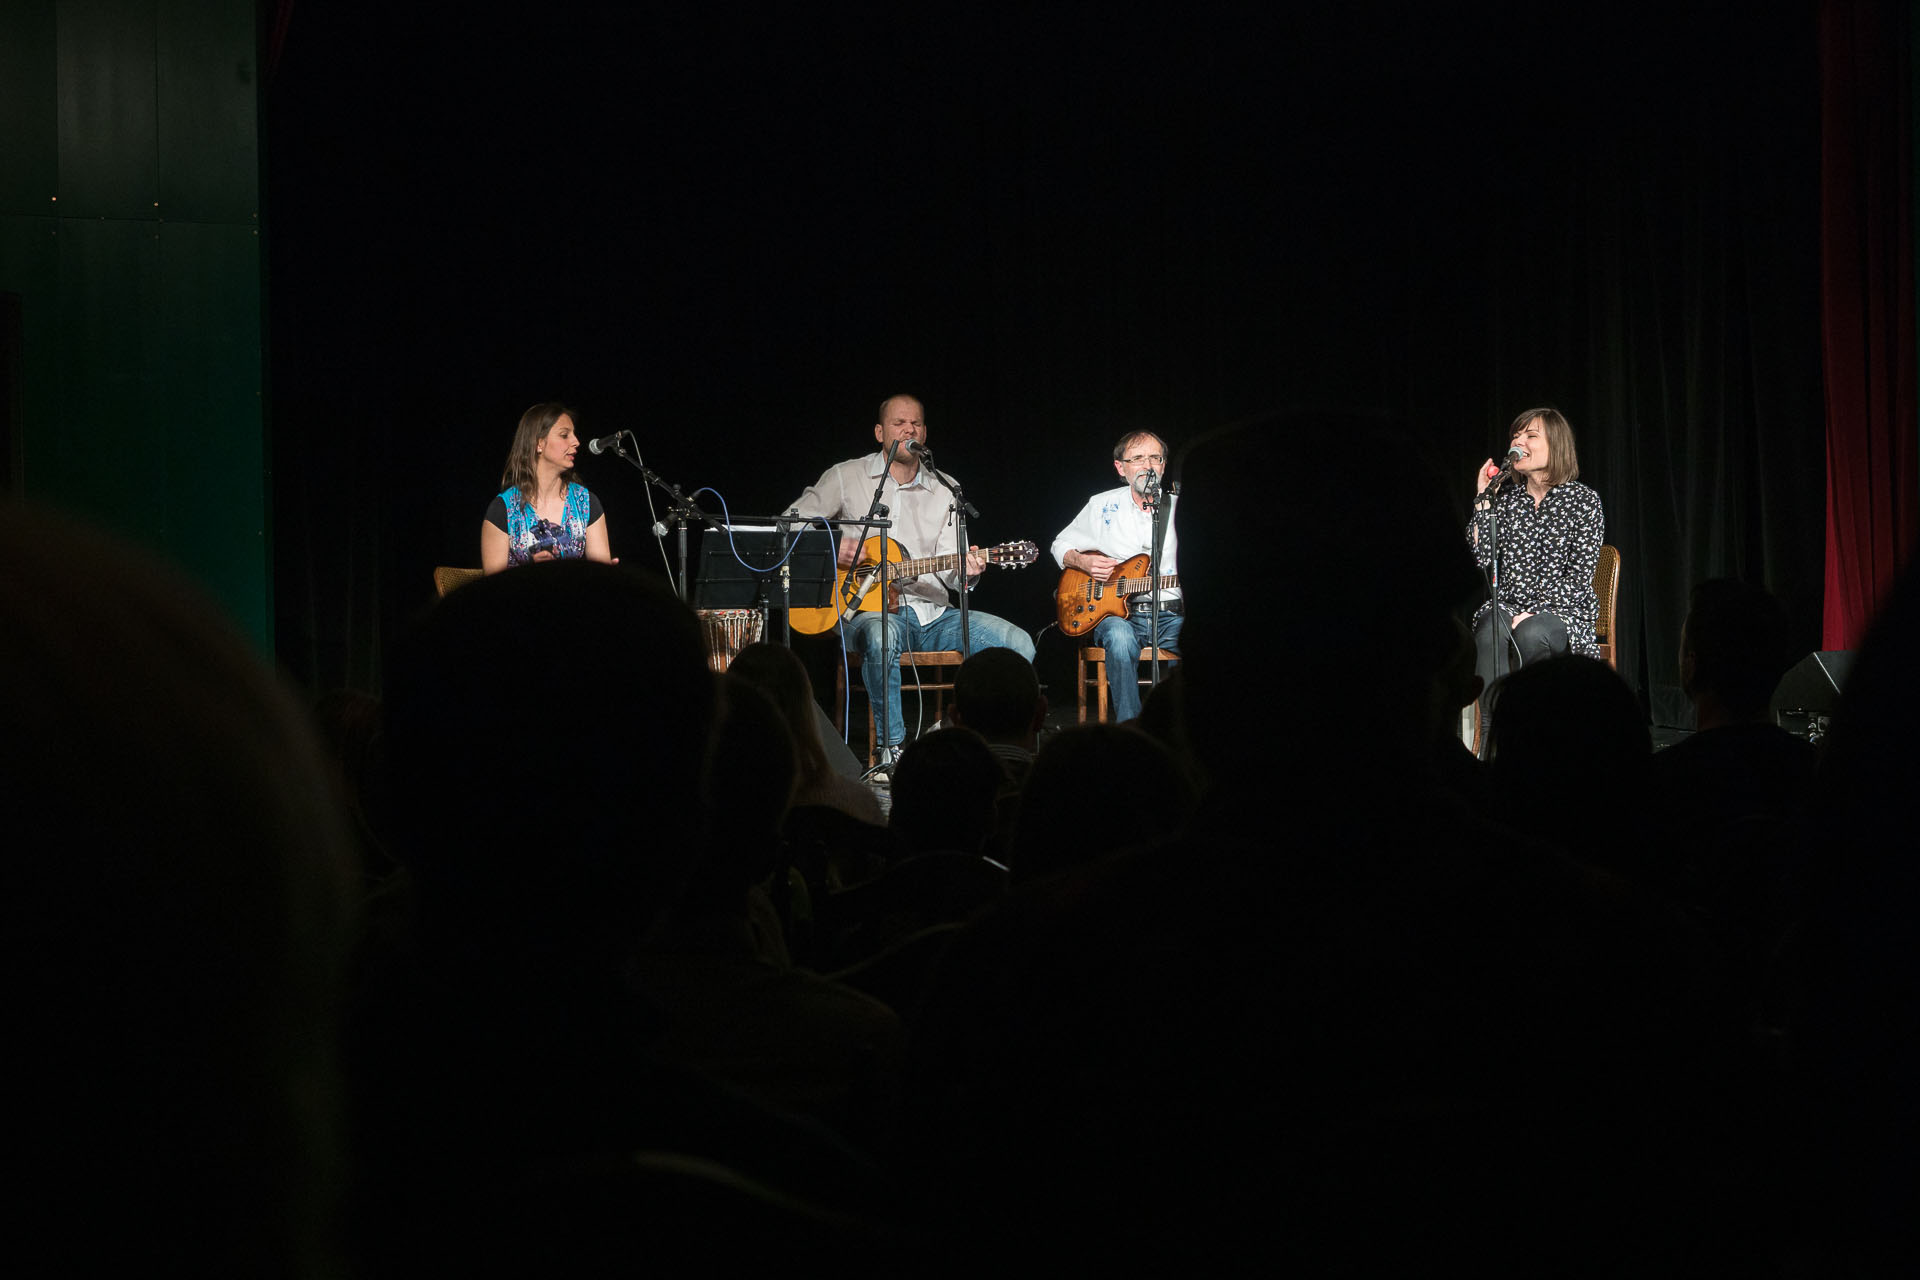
(1550, 530)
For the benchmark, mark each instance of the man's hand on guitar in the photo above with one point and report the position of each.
(849, 552)
(976, 563)
(1093, 564)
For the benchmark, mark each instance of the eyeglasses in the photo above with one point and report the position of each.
(1153, 459)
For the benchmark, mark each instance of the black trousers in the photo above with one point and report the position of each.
(1540, 636)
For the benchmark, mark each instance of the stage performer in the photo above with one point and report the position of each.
(1550, 531)
(1115, 526)
(919, 507)
(542, 514)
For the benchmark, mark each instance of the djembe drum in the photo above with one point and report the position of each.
(728, 631)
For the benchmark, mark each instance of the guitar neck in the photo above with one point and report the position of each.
(1134, 586)
(931, 564)
(937, 564)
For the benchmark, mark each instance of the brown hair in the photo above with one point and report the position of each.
(520, 471)
(1563, 461)
(1120, 448)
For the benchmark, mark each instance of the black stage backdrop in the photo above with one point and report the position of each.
(735, 228)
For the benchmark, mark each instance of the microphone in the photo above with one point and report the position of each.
(1147, 483)
(606, 442)
(917, 449)
(1515, 454)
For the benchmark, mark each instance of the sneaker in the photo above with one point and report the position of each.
(884, 761)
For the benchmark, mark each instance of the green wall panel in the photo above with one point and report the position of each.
(30, 170)
(109, 165)
(101, 452)
(30, 267)
(208, 135)
(140, 288)
(207, 371)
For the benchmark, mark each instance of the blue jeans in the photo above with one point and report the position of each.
(880, 667)
(1123, 639)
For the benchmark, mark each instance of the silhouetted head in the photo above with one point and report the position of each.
(177, 922)
(944, 787)
(996, 693)
(550, 733)
(1734, 646)
(1320, 608)
(1113, 770)
(1568, 738)
(776, 672)
(752, 785)
(1569, 713)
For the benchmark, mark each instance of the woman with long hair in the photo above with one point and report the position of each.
(542, 513)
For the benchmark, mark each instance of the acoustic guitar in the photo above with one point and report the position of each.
(859, 590)
(1081, 602)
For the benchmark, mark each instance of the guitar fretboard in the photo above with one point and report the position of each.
(934, 564)
(1134, 586)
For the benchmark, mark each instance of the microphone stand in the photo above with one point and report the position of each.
(1157, 504)
(681, 510)
(786, 522)
(1500, 642)
(960, 509)
(877, 510)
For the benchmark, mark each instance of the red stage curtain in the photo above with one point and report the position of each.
(1867, 322)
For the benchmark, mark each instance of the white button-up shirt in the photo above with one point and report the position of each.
(1114, 525)
(922, 515)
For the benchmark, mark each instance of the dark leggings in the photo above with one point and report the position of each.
(1540, 636)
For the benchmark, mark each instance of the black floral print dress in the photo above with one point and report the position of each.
(1547, 555)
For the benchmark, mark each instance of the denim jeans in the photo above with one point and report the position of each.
(880, 666)
(1123, 638)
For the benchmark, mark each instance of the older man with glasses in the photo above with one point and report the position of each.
(1113, 527)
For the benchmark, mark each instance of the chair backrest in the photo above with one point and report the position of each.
(447, 577)
(1606, 585)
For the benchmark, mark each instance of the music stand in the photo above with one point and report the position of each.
(722, 582)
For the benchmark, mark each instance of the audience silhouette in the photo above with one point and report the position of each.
(177, 929)
(1297, 981)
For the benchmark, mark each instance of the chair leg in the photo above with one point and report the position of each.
(1080, 682)
(1100, 687)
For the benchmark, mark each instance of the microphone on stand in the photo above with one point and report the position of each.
(604, 443)
(1505, 469)
(1147, 483)
(919, 450)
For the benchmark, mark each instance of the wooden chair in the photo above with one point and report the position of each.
(447, 577)
(1095, 657)
(930, 672)
(1606, 585)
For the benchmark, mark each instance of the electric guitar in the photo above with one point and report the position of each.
(859, 590)
(1081, 602)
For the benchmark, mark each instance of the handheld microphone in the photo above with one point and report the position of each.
(606, 442)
